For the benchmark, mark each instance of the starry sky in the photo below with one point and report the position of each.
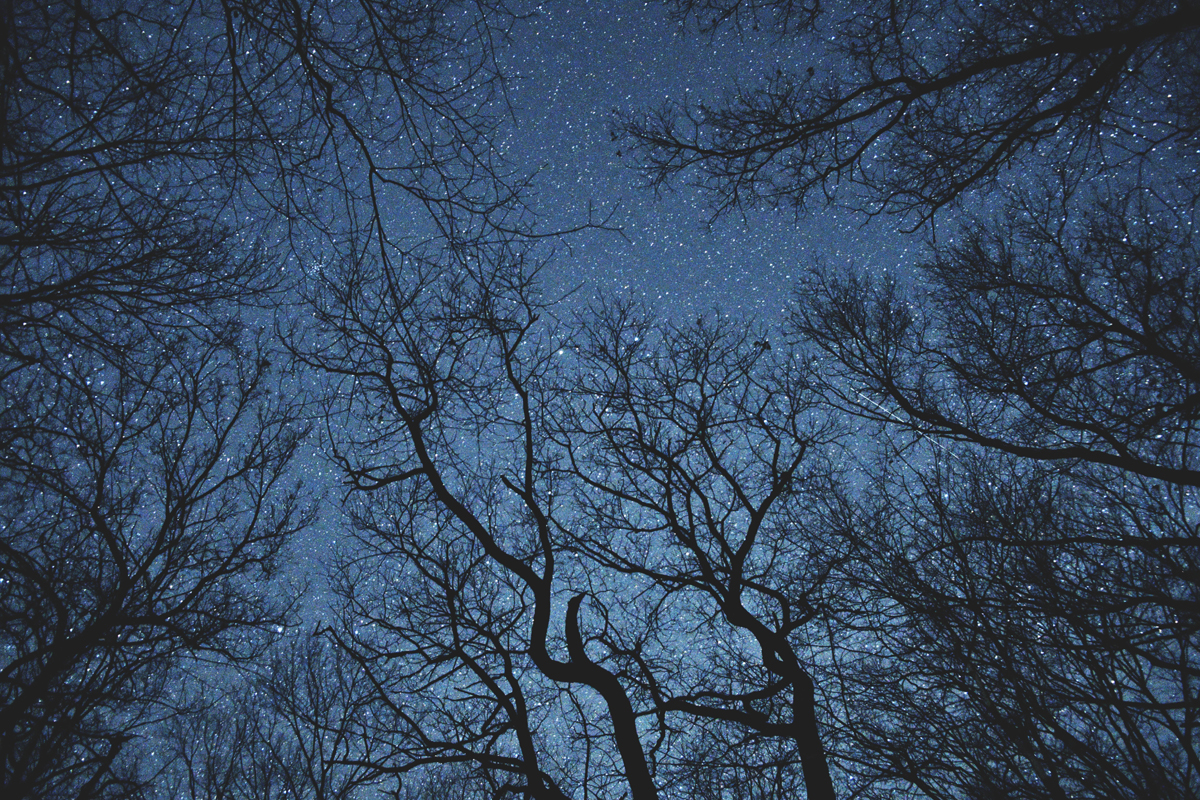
(571, 66)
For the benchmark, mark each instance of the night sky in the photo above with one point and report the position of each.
(938, 534)
(572, 68)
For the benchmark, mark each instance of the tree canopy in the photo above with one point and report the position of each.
(920, 104)
(933, 534)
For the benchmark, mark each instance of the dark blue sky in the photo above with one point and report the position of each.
(571, 65)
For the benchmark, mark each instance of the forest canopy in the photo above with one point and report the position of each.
(933, 533)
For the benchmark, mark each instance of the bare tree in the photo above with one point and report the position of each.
(1031, 550)
(296, 730)
(586, 551)
(908, 106)
(1024, 559)
(1026, 632)
(645, 510)
(140, 511)
(1048, 335)
(163, 168)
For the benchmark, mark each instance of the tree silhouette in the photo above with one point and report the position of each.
(1036, 638)
(584, 553)
(602, 554)
(1037, 563)
(1018, 594)
(141, 506)
(907, 107)
(1060, 338)
(294, 731)
(164, 170)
